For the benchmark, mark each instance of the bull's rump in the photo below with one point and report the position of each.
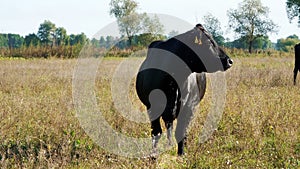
(151, 79)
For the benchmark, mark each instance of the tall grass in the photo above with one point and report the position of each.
(73, 51)
(260, 126)
(65, 51)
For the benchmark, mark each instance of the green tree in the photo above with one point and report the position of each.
(102, 42)
(127, 17)
(95, 42)
(77, 39)
(152, 30)
(110, 41)
(131, 22)
(122, 8)
(3, 41)
(293, 36)
(287, 44)
(67, 40)
(72, 39)
(81, 39)
(262, 42)
(31, 39)
(213, 26)
(130, 26)
(46, 33)
(293, 10)
(145, 39)
(11, 40)
(240, 43)
(152, 25)
(60, 36)
(251, 20)
(15, 40)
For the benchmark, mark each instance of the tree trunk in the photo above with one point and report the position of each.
(130, 40)
(250, 46)
(129, 37)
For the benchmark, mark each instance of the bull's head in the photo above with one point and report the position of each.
(213, 58)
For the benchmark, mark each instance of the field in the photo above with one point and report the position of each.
(260, 126)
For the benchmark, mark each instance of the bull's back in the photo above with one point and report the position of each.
(297, 56)
(297, 52)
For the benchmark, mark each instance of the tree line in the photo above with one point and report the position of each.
(48, 41)
(47, 35)
(250, 23)
(54, 41)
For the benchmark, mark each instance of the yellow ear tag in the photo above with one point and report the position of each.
(200, 42)
(197, 41)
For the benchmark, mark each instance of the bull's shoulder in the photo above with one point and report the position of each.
(169, 44)
(172, 45)
(297, 47)
(155, 44)
(297, 51)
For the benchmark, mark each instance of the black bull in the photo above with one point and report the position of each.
(297, 61)
(162, 79)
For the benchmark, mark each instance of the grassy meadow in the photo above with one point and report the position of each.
(260, 126)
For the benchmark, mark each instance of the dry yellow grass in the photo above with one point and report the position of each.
(260, 126)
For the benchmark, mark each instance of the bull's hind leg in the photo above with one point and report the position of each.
(169, 117)
(156, 134)
(170, 114)
(295, 74)
(169, 126)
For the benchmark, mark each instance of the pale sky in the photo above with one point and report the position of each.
(24, 16)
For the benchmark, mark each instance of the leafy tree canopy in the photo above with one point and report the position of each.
(293, 10)
(251, 20)
(213, 26)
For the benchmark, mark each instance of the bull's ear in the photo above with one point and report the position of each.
(198, 41)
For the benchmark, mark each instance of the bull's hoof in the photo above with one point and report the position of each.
(180, 153)
(153, 156)
(170, 144)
